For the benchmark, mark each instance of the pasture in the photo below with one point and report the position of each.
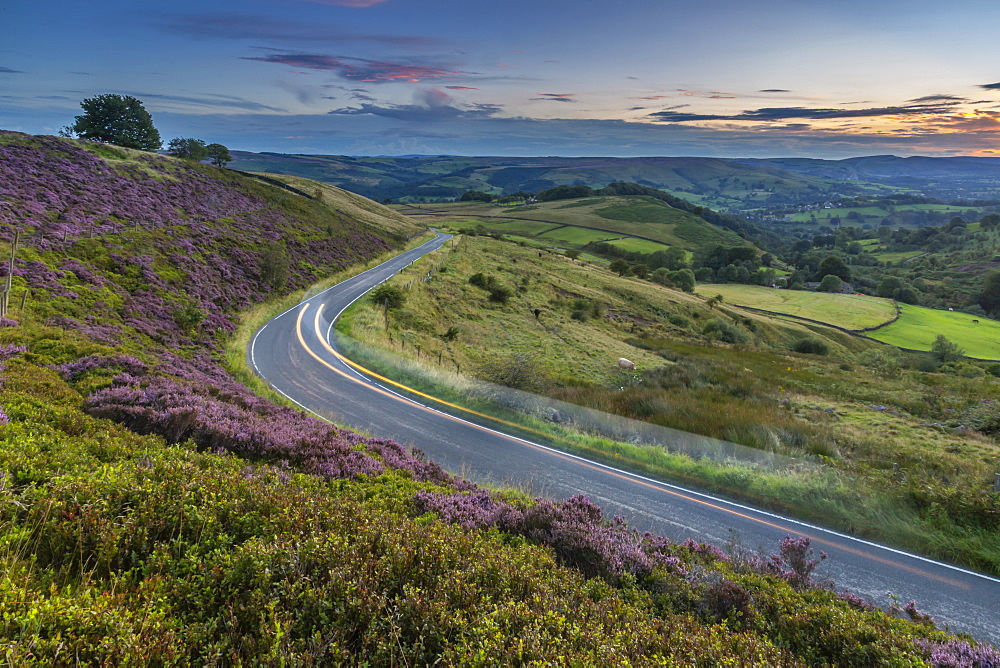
(639, 218)
(847, 311)
(917, 328)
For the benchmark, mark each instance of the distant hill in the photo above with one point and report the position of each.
(721, 184)
(944, 178)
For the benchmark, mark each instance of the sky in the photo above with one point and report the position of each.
(716, 78)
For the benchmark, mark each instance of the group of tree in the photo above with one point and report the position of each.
(197, 150)
(123, 121)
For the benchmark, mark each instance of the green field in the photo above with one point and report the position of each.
(576, 237)
(847, 311)
(917, 328)
(612, 217)
(640, 245)
(896, 256)
(874, 215)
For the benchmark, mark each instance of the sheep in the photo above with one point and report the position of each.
(626, 365)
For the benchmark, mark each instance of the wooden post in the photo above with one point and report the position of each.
(5, 299)
(996, 483)
(24, 298)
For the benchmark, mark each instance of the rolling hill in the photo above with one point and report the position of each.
(631, 223)
(721, 184)
(156, 512)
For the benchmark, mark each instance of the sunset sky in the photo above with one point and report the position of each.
(724, 78)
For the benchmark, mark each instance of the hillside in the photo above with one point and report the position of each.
(157, 512)
(625, 222)
(707, 367)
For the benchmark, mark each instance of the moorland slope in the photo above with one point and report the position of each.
(157, 512)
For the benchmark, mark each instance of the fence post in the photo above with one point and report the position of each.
(5, 298)
(996, 483)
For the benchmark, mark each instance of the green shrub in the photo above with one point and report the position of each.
(812, 346)
(678, 320)
(724, 331)
(501, 294)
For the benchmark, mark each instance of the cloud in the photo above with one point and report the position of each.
(255, 27)
(461, 88)
(940, 98)
(774, 90)
(361, 69)
(7, 70)
(429, 106)
(782, 113)
(556, 97)
(992, 86)
(212, 101)
(650, 97)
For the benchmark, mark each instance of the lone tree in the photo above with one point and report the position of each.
(218, 154)
(116, 119)
(944, 350)
(388, 297)
(187, 148)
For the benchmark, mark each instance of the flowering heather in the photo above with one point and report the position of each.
(575, 528)
(232, 419)
(958, 654)
(126, 363)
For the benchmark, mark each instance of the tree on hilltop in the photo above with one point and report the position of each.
(115, 119)
(219, 155)
(187, 149)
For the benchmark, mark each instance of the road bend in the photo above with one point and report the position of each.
(294, 353)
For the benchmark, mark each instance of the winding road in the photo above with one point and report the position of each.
(294, 353)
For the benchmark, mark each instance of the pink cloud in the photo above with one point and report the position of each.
(359, 69)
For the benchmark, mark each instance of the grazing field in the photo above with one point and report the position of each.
(640, 245)
(641, 218)
(577, 237)
(876, 214)
(917, 328)
(848, 311)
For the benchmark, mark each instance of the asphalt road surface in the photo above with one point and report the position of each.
(293, 352)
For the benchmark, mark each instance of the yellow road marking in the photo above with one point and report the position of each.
(563, 456)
